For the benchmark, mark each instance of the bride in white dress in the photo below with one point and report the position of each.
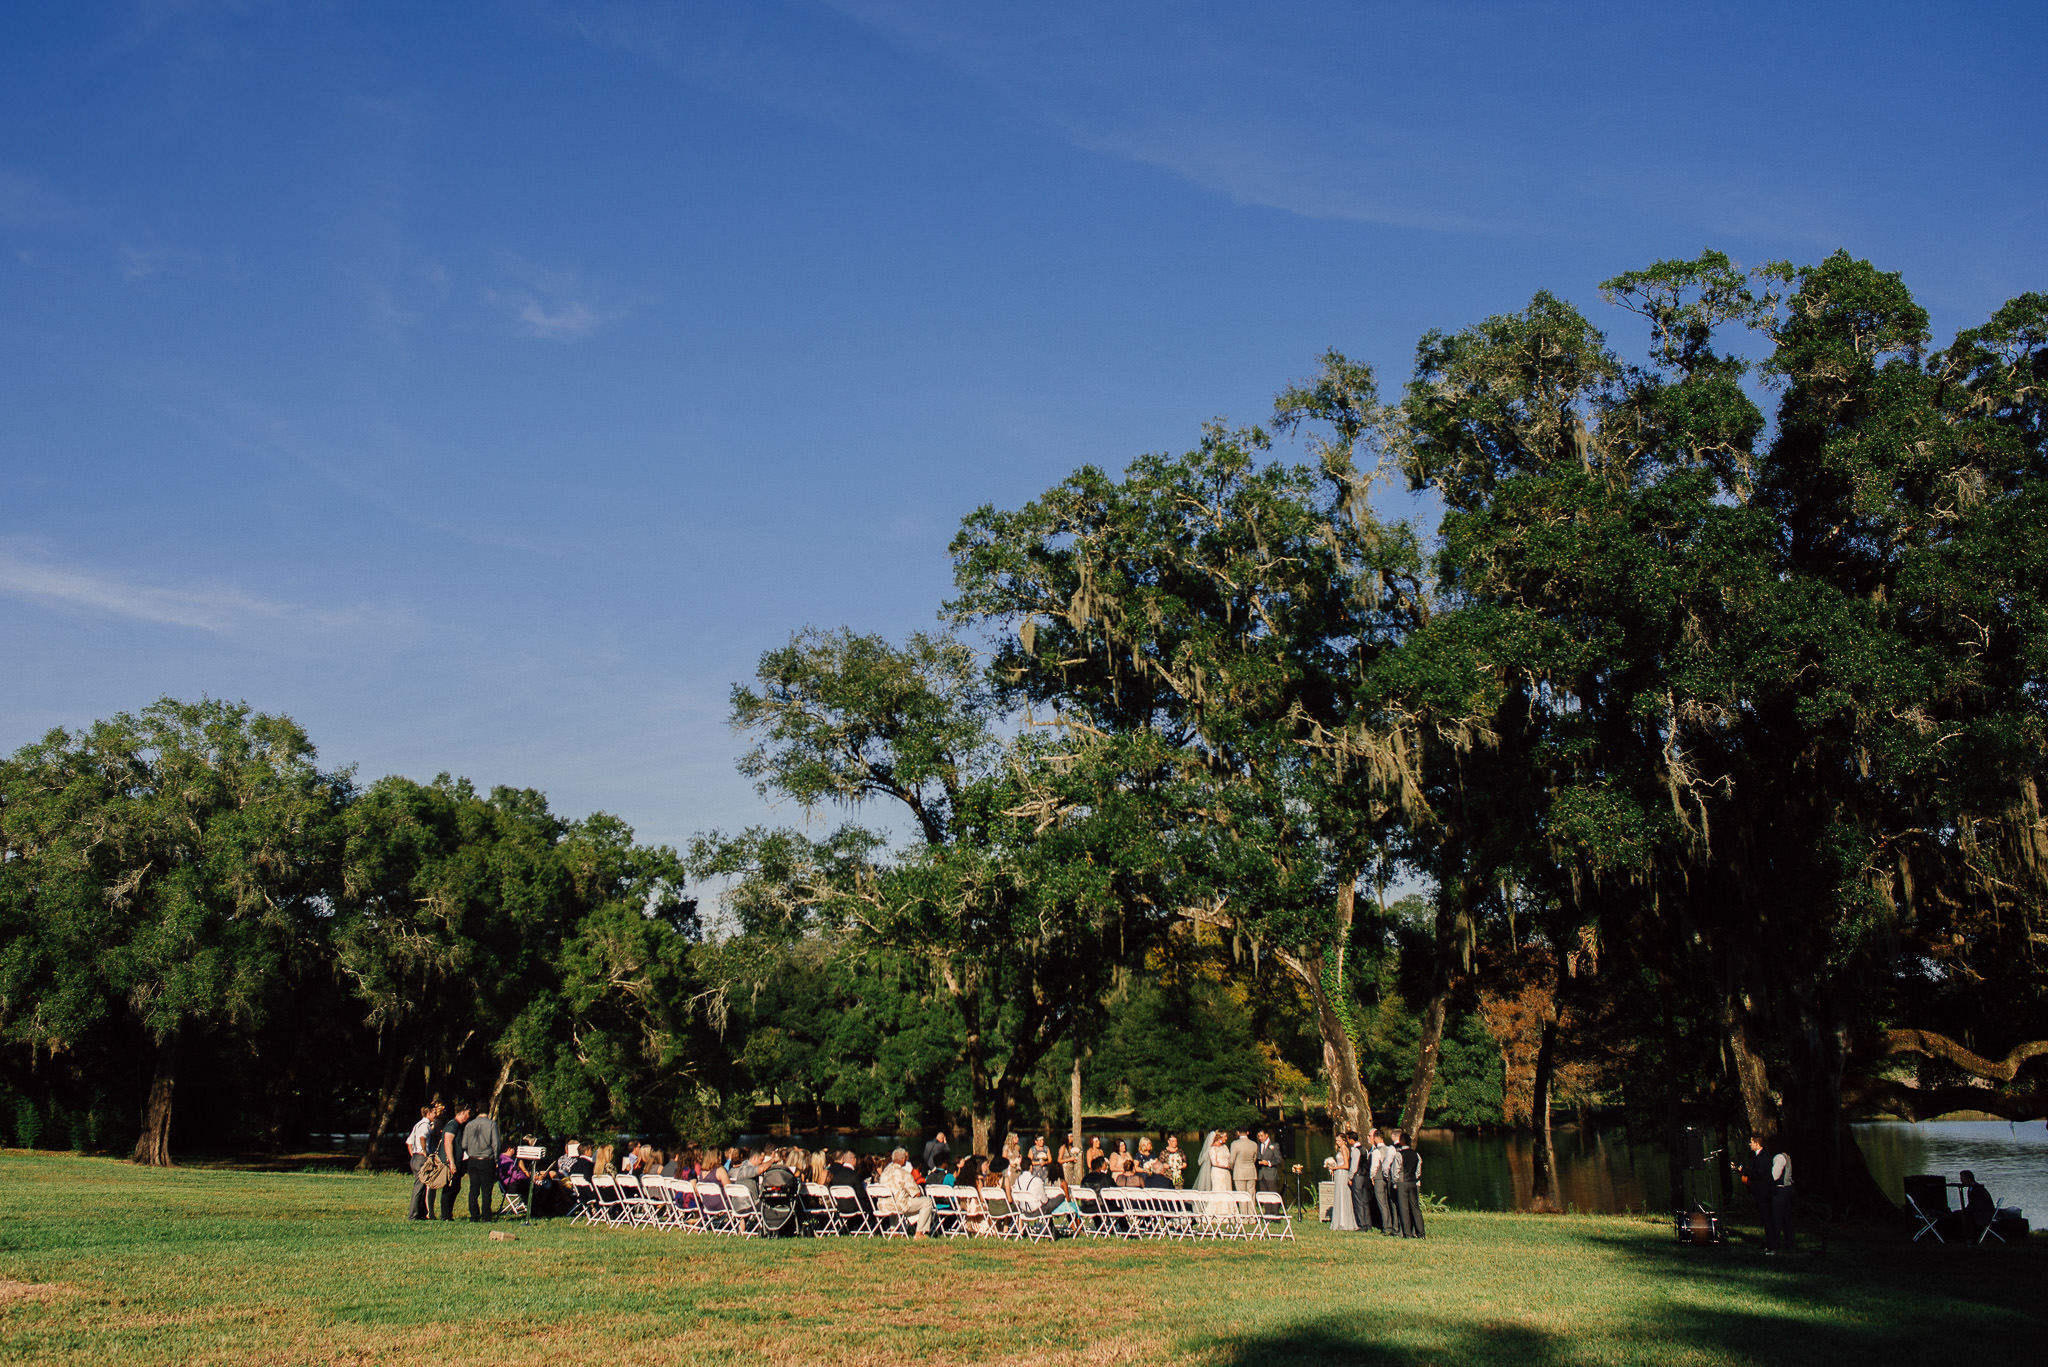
(1219, 1162)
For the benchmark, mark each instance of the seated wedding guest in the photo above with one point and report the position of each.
(968, 1174)
(1127, 1174)
(1098, 1175)
(601, 1162)
(1034, 1195)
(845, 1172)
(1156, 1175)
(512, 1178)
(906, 1199)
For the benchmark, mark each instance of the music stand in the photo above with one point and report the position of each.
(528, 1154)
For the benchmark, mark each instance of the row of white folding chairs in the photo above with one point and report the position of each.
(651, 1201)
(1160, 1213)
(959, 1212)
(656, 1202)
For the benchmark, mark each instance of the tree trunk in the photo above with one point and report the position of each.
(505, 1076)
(1350, 1106)
(387, 1104)
(1076, 1100)
(153, 1148)
(1453, 957)
(1750, 1080)
(1545, 1193)
(1425, 1059)
(1826, 1160)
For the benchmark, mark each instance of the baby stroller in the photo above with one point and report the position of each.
(782, 1214)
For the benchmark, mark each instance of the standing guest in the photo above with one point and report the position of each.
(1244, 1162)
(1041, 1159)
(906, 1201)
(1176, 1161)
(1145, 1154)
(418, 1144)
(1381, 1173)
(938, 1154)
(1219, 1161)
(451, 1154)
(1070, 1161)
(1342, 1216)
(1766, 1169)
(1094, 1152)
(1269, 1162)
(1407, 1186)
(480, 1150)
(1013, 1150)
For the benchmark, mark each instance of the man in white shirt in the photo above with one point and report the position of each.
(417, 1144)
(1380, 1171)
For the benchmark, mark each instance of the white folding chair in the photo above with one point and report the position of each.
(588, 1209)
(1274, 1221)
(1002, 1216)
(713, 1215)
(946, 1212)
(821, 1210)
(853, 1216)
(744, 1211)
(611, 1205)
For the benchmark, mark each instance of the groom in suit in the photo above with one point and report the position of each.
(1269, 1162)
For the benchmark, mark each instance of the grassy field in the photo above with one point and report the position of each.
(105, 1262)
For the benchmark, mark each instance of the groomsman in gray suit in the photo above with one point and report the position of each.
(1385, 1158)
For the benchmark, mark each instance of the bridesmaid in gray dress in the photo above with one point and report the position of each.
(1342, 1216)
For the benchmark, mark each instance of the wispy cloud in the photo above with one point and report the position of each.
(222, 609)
(552, 305)
(26, 202)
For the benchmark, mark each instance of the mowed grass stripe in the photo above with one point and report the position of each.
(103, 1261)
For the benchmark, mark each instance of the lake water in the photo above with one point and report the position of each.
(1599, 1171)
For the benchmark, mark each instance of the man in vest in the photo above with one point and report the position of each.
(1380, 1169)
(1768, 1175)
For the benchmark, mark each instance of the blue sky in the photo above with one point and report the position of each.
(487, 385)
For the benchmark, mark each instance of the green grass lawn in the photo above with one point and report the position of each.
(106, 1262)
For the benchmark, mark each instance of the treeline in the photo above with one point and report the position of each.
(1714, 714)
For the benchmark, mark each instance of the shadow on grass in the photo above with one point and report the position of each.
(1479, 1346)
